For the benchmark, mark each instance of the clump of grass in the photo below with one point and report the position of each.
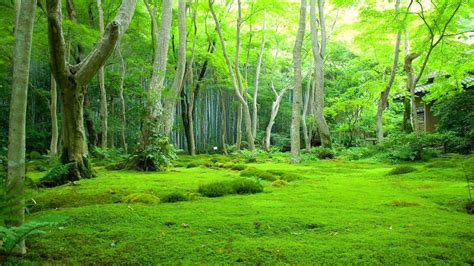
(403, 169)
(193, 195)
(254, 172)
(246, 186)
(216, 189)
(403, 203)
(279, 183)
(276, 172)
(174, 197)
(141, 198)
(240, 186)
(192, 165)
(239, 167)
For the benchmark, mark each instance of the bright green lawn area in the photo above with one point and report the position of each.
(338, 211)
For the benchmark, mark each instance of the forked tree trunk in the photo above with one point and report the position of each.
(318, 54)
(273, 114)
(382, 104)
(72, 80)
(177, 86)
(297, 97)
(411, 83)
(16, 131)
(53, 148)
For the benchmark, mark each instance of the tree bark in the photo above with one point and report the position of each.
(123, 111)
(306, 134)
(382, 104)
(318, 54)
(102, 92)
(273, 114)
(237, 84)
(411, 84)
(17, 120)
(72, 80)
(177, 86)
(224, 122)
(161, 40)
(53, 148)
(297, 97)
(257, 80)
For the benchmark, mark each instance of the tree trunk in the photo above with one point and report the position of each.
(224, 122)
(273, 114)
(123, 111)
(72, 80)
(257, 80)
(382, 104)
(296, 107)
(318, 54)
(306, 134)
(161, 40)
(102, 92)
(236, 81)
(238, 137)
(177, 86)
(411, 83)
(53, 150)
(16, 131)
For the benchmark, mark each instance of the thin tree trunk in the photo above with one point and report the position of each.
(53, 148)
(307, 140)
(296, 107)
(382, 104)
(102, 92)
(17, 121)
(257, 80)
(123, 112)
(273, 114)
(237, 83)
(224, 122)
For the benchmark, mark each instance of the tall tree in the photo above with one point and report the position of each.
(72, 80)
(382, 104)
(236, 80)
(53, 148)
(177, 86)
(257, 80)
(319, 49)
(297, 90)
(16, 132)
(102, 92)
(123, 112)
(161, 38)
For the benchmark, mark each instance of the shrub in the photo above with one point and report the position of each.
(239, 186)
(279, 183)
(323, 153)
(59, 175)
(192, 165)
(399, 170)
(141, 198)
(239, 167)
(174, 197)
(216, 189)
(34, 155)
(156, 155)
(413, 146)
(249, 156)
(246, 186)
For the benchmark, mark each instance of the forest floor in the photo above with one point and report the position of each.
(333, 211)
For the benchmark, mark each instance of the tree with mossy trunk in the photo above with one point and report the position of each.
(72, 80)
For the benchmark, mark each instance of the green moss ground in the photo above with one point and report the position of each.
(337, 211)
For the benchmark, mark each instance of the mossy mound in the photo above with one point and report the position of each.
(239, 186)
(141, 198)
(174, 197)
(403, 203)
(400, 170)
(239, 167)
(59, 175)
(279, 183)
(254, 172)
